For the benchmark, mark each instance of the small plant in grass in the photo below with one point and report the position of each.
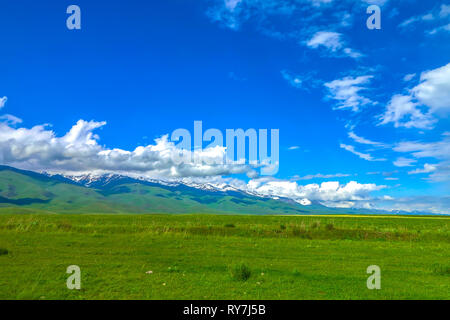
(329, 226)
(296, 273)
(240, 272)
(299, 231)
(64, 226)
(173, 269)
(441, 269)
(282, 227)
(315, 224)
(3, 251)
(230, 225)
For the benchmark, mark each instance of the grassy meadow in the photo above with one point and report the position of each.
(223, 256)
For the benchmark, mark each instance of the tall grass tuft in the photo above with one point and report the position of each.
(441, 269)
(3, 251)
(315, 224)
(240, 272)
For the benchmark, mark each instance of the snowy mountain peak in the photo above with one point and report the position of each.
(304, 202)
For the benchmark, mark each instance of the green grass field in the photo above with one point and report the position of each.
(223, 257)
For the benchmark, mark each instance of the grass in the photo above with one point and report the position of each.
(240, 272)
(203, 257)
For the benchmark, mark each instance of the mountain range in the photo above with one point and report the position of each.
(28, 191)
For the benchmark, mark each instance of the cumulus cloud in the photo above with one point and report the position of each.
(426, 204)
(404, 112)
(434, 90)
(78, 151)
(327, 39)
(3, 101)
(331, 191)
(347, 92)
(333, 44)
(364, 156)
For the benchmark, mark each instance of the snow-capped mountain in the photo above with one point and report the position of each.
(99, 180)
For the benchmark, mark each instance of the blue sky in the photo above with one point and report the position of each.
(351, 104)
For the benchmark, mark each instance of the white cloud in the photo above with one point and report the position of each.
(364, 156)
(327, 39)
(409, 77)
(3, 101)
(333, 43)
(424, 204)
(232, 4)
(410, 22)
(427, 168)
(318, 3)
(321, 176)
(434, 17)
(434, 89)
(9, 118)
(439, 150)
(78, 151)
(445, 11)
(404, 112)
(377, 2)
(347, 92)
(439, 29)
(294, 148)
(233, 13)
(362, 140)
(294, 80)
(404, 162)
(331, 191)
(305, 81)
(416, 109)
